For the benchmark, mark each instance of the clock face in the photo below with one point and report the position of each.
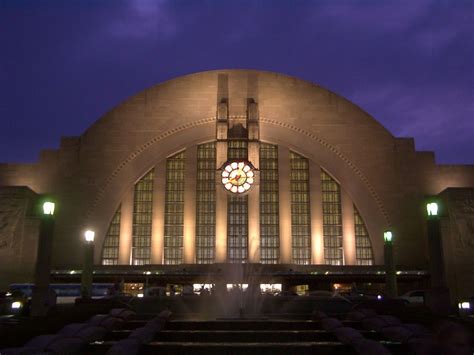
(237, 177)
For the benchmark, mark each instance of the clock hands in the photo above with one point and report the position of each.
(236, 178)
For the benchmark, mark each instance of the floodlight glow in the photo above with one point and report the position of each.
(89, 236)
(432, 209)
(16, 305)
(388, 236)
(140, 295)
(48, 208)
(465, 305)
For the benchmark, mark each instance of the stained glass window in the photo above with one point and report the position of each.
(300, 209)
(364, 255)
(269, 221)
(142, 215)
(110, 251)
(206, 203)
(332, 220)
(174, 210)
(237, 212)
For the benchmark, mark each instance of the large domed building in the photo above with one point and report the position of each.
(259, 172)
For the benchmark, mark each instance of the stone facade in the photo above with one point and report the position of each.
(91, 175)
(18, 234)
(457, 225)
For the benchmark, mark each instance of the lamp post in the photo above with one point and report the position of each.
(438, 296)
(390, 274)
(87, 270)
(42, 300)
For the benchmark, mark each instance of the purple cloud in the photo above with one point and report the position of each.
(141, 19)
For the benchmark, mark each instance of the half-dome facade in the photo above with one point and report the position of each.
(232, 167)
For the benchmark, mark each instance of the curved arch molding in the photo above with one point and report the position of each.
(158, 148)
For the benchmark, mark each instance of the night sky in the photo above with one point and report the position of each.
(410, 64)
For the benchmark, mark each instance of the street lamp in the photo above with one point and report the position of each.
(87, 271)
(438, 297)
(48, 208)
(390, 275)
(387, 236)
(432, 209)
(42, 299)
(89, 236)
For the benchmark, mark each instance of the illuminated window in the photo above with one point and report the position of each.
(364, 255)
(269, 224)
(237, 212)
(174, 209)
(206, 203)
(237, 149)
(300, 210)
(332, 220)
(110, 251)
(142, 214)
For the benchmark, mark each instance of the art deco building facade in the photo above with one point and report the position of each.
(237, 167)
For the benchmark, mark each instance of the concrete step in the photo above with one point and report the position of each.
(245, 336)
(241, 335)
(333, 348)
(242, 325)
(186, 348)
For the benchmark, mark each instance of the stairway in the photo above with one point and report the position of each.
(235, 336)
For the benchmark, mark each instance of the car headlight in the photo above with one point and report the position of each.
(16, 305)
(464, 305)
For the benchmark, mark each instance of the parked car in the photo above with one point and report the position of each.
(466, 306)
(13, 302)
(414, 296)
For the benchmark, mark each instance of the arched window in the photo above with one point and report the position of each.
(332, 220)
(142, 217)
(364, 254)
(110, 250)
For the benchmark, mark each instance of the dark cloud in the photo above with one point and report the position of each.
(407, 63)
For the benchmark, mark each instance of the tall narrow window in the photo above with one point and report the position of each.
(300, 210)
(206, 203)
(269, 225)
(142, 214)
(174, 209)
(364, 255)
(237, 226)
(110, 251)
(332, 220)
(237, 212)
